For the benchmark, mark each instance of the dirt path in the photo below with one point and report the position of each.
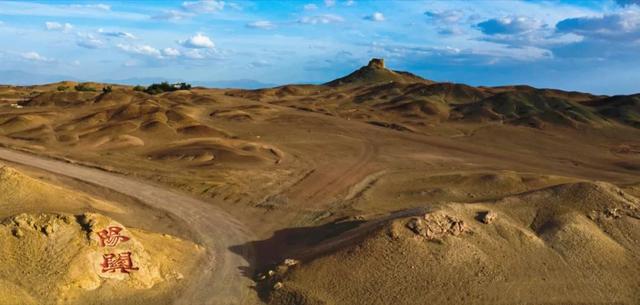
(222, 280)
(328, 180)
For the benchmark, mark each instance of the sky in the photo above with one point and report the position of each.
(591, 46)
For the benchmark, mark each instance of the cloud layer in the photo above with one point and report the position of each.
(481, 42)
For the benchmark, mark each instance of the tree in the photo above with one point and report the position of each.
(166, 87)
(84, 87)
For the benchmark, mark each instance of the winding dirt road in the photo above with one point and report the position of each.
(221, 281)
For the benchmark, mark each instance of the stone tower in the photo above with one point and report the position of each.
(376, 63)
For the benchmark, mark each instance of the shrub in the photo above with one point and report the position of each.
(159, 88)
(63, 88)
(139, 88)
(184, 86)
(166, 87)
(84, 87)
(107, 89)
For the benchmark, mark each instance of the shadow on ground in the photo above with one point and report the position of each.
(295, 243)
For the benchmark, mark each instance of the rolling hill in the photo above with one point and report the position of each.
(380, 187)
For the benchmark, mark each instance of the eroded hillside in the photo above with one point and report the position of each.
(355, 178)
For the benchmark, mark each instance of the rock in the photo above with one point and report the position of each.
(278, 285)
(489, 217)
(291, 262)
(271, 273)
(377, 63)
(17, 232)
(24, 221)
(435, 226)
(48, 229)
(416, 225)
(282, 269)
(612, 213)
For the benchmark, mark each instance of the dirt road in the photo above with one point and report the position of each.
(221, 281)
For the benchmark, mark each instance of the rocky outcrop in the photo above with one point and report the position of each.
(436, 226)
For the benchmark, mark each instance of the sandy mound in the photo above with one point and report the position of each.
(569, 244)
(55, 257)
(22, 122)
(210, 151)
(63, 99)
(118, 142)
(242, 113)
(393, 189)
(20, 193)
(201, 131)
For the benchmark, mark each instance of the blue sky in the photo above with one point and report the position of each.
(575, 45)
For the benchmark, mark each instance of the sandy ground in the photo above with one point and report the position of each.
(300, 171)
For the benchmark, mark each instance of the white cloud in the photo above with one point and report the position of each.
(623, 26)
(194, 54)
(203, 6)
(200, 54)
(89, 41)
(377, 16)
(199, 41)
(54, 9)
(350, 3)
(472, 55)
(171, 52)
(260, 64)
(173, 15)
(34, 56)
(510, 25)
(261, 24)
(310, 7)
(446, 16)
(56, 26)
(98, 6)
(144, 50)
(329, 3)
(321, 19)
(116, 34)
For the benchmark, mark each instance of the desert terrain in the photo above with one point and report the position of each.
(380, 187)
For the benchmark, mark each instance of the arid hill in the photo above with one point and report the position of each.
(567, 244)
(375, 72)
(380, 187)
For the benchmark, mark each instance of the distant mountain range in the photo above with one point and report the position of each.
(18, 77)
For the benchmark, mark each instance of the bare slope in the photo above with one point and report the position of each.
(568, 244)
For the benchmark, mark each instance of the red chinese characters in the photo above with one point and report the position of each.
(111, 237)
(114, 262)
